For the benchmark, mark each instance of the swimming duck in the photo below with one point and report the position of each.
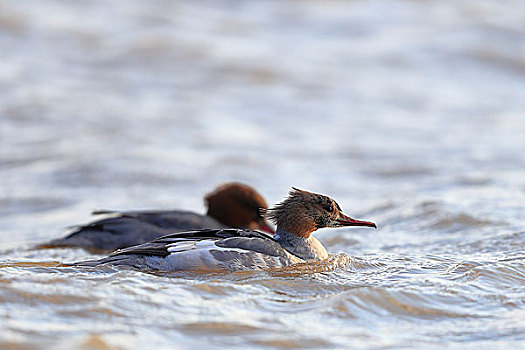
(229, 205)
(300, 214)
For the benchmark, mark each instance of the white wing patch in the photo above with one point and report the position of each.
(181, 246)
(204, 255)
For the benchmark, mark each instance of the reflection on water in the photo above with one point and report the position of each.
(408, 113)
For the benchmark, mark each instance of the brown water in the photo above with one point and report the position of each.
(408, 113)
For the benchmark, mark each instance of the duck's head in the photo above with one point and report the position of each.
(239, 206)
(304, 212)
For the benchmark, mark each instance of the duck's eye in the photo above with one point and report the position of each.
(329, 207)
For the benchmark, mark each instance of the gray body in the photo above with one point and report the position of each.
(212, 250)
(125, 229)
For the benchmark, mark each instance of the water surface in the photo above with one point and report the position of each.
(410, 114)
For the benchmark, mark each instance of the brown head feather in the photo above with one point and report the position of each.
(303, 212)
(237, 205)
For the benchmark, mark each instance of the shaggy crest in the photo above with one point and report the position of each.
(303, 212)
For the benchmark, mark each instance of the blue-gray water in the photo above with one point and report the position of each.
(408, 113)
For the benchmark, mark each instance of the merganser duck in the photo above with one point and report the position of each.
(229, 205)
(296, 218)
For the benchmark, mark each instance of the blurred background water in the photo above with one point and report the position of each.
(408, 113)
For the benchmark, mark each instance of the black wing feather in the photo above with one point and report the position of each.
(159, 246)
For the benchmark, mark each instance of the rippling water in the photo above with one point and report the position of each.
(410, 114)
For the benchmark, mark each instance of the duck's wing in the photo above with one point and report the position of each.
(181, 220)
(228, 238)
(109, 234)
(125, 229)
(204, 250)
